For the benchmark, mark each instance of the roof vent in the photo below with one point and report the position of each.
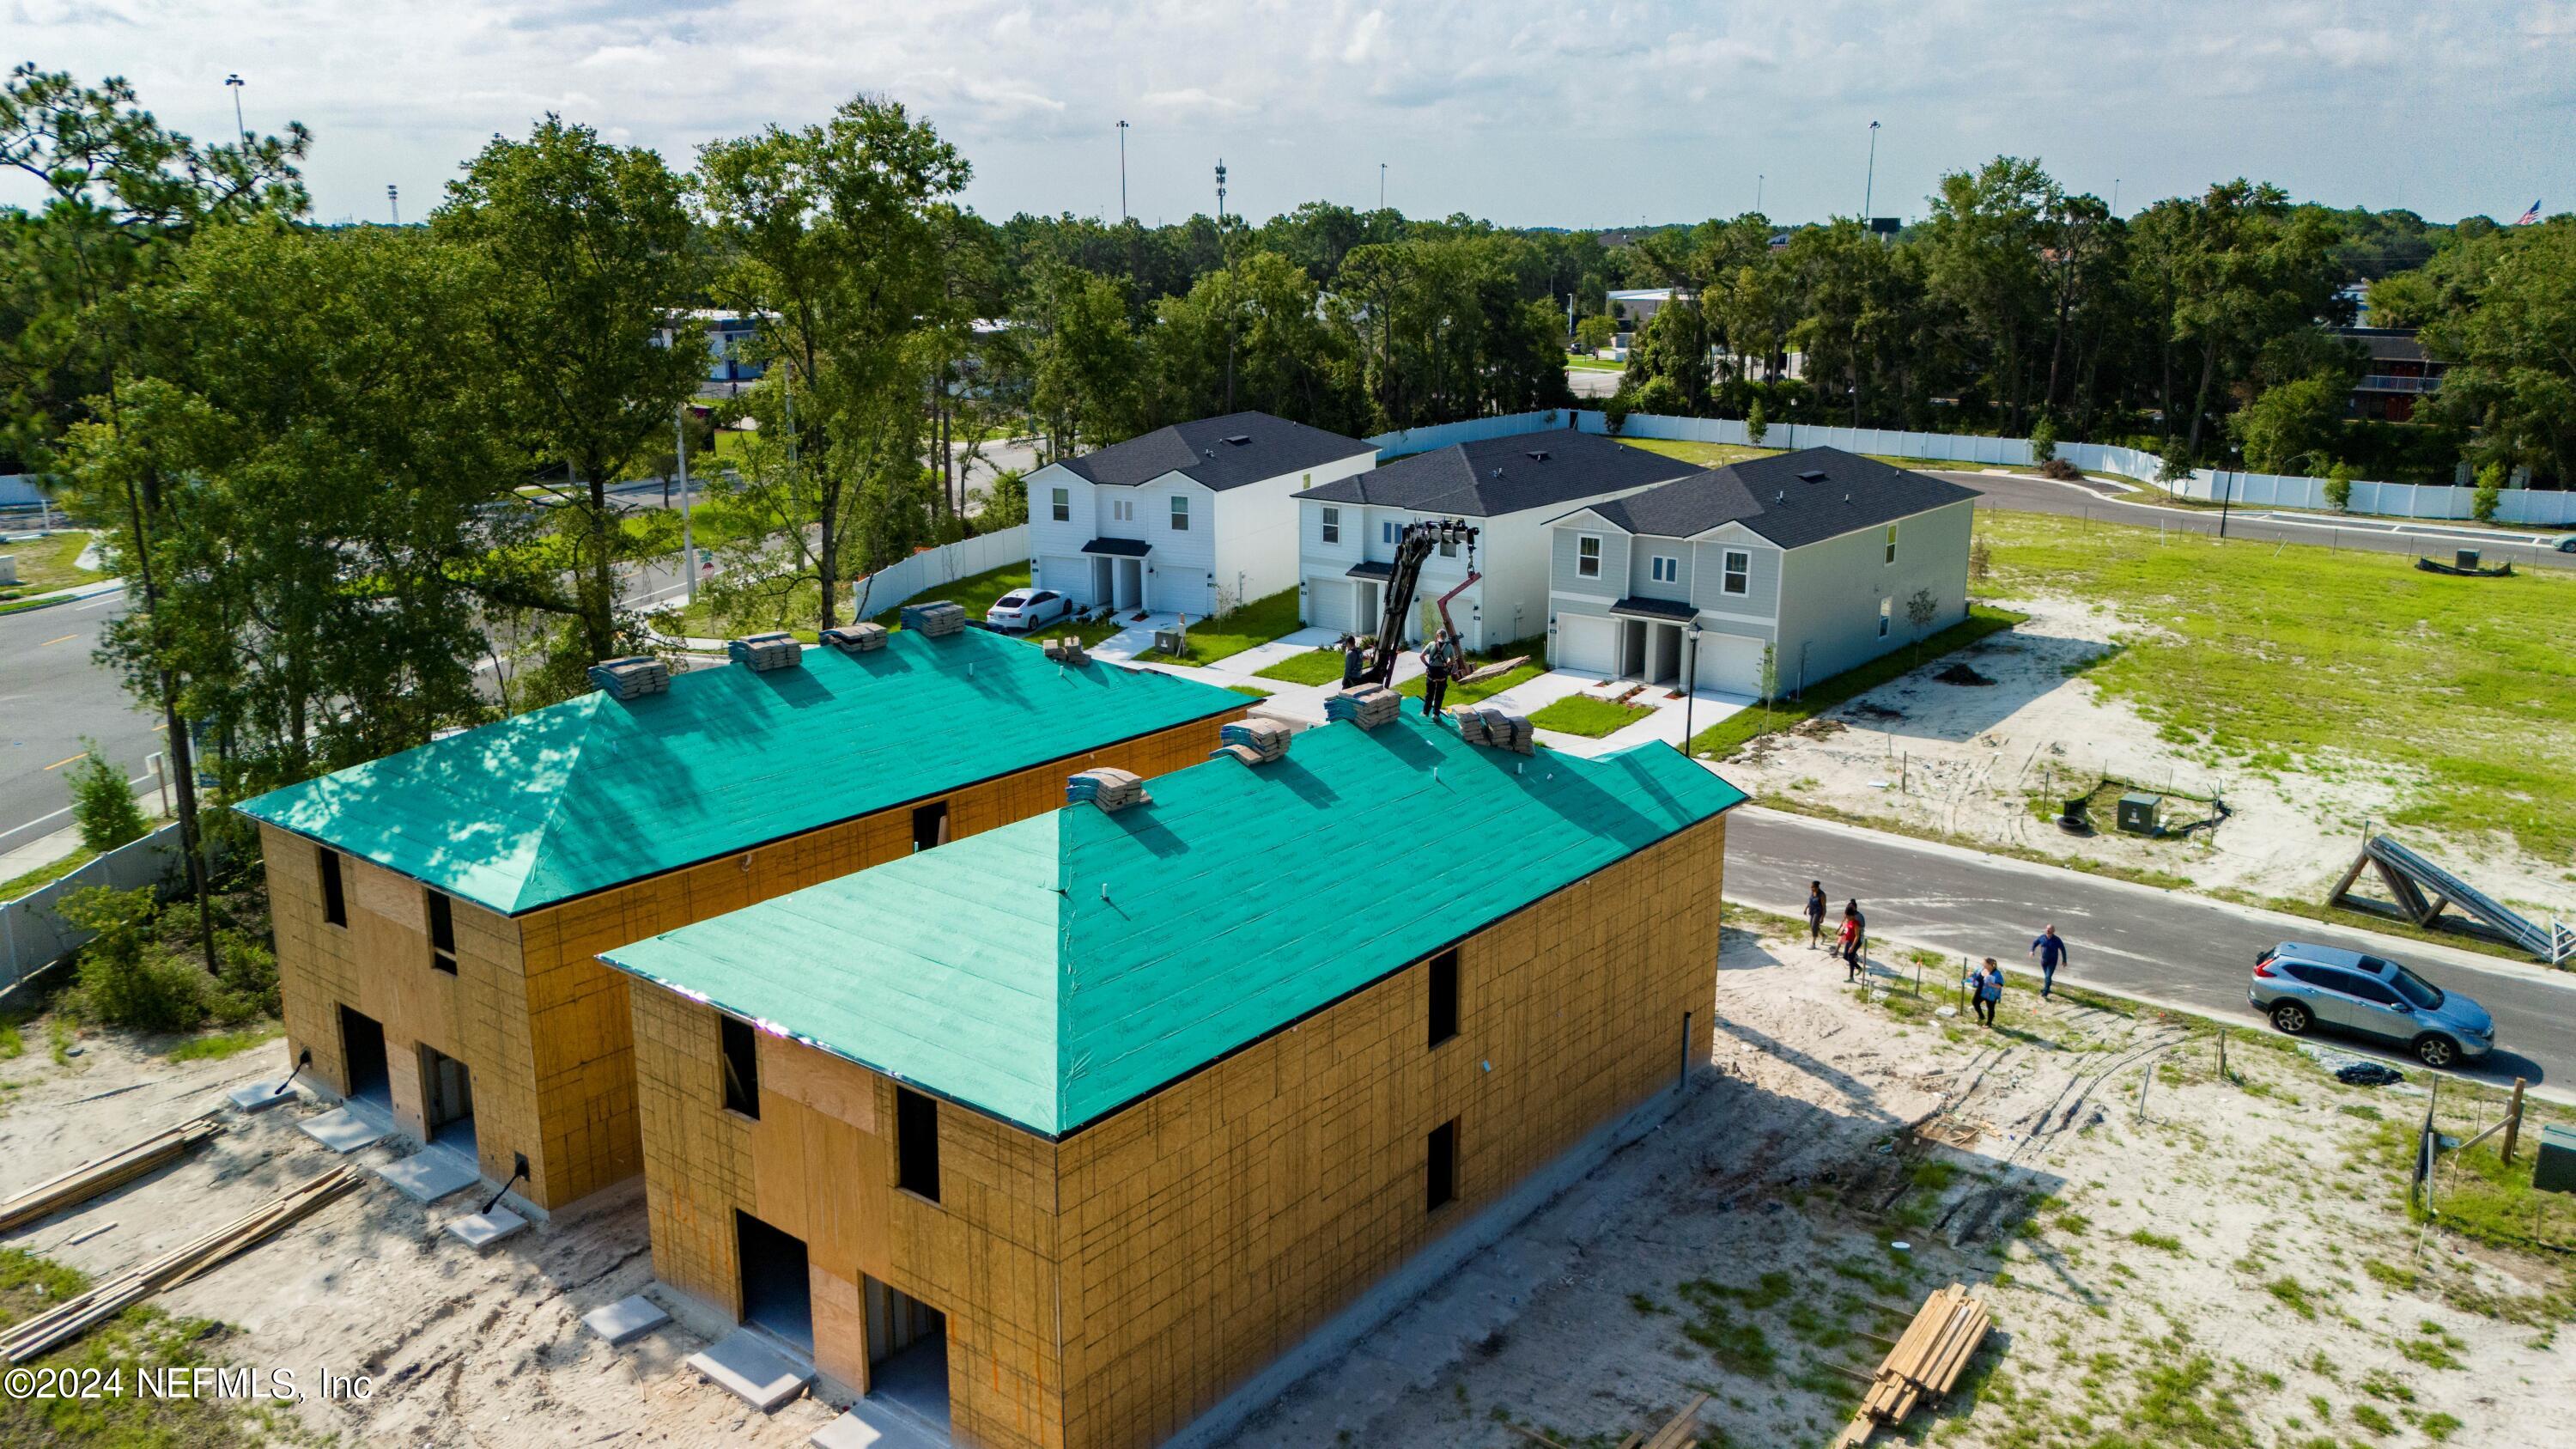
(1781, 497)
(1239, 439)
(1847, 498)
(856, 638)
(762, 653)
(1497, 471)
(935, 619)
(1111, 789)
(1253, 741)
(633, 677)
(1367, 708)
(1497, 730)
(1538, 455)
(1812, 475)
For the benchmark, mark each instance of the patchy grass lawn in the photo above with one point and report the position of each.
(17, 886)
(137, 1337)
(2296, 658)
(1238, 629)
(1706, 455)
(1315, 666)
(1478, 692)
(215, 1046)
(1255, 690)
(47, 564)
(1743, 727)
(1582, 714)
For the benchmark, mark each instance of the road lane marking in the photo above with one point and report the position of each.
(58, 764)
(48, 644)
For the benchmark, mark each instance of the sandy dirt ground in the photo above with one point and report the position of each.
(1967, 760)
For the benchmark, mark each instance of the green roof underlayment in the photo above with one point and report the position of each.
(594, 792)
(1056, 969)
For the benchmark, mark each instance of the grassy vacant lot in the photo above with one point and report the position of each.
(2460, 692)
(46, 564)
(1706, 455)
(1583, 714)
(1256, 622)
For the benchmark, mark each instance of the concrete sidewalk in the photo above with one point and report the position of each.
(1665, 719)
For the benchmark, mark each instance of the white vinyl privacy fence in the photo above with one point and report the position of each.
(33, 934)
(937, 568)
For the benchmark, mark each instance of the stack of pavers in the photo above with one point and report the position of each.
(1253, 741)
(1068, 650)
(761, 653)
(1110, 789)
(1497, 729)
(633, 677)
(1368, 708)
(856, 638)
(934, 619)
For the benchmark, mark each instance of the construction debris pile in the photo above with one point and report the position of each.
(1253, 741)
(1111, 789)
(1924, 1364)
(1367, 708)
(632, 677)
(102, 1174)
(856, 638)
(761, 653)
(935, 619)
(1068, 650)
(1495, 728)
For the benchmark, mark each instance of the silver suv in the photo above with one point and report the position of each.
(2301, 987)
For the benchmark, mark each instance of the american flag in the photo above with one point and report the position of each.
(2531, 217)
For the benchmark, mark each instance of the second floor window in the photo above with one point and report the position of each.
(1587, 556)
(1180, 513)
(1123, 510)
(1332, 525)
(1060, 504)
(1739, 571)
(1891, 543)
(1667, 569)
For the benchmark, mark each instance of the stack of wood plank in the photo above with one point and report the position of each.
(1497, 729)
(1266, 739)
(102, 1174)
(1111, 789)
(1924, 1364)
(633, 677)
(1068, 650)
(1495, 670)
(856, 638)
(761, 653)
(1677, 1433)
(1368, 708)
(75, 1316)
(935, 619)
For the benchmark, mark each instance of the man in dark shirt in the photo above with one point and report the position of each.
(2050, 948)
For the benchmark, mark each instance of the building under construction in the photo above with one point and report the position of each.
(1105, 1124)
(439, 912)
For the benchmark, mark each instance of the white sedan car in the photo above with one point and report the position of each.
(1027, 609)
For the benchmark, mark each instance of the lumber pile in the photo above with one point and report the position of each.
(1924, 1364)
(1497, 729)
(632, 677)
(1111, 789)
(1495, 670)
(1368, 708)
(75, 1316)
(1675, 1434)
(935, 619)
(103, 1174)
(1068, 650)
(761, 653)
(856, 638)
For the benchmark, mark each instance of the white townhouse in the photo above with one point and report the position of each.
(1192, 519)
(1812, 556)
(1509, 487)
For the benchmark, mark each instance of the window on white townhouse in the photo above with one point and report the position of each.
(1886, 616)
(1060, 505)
(1739, 571)
(1180, 512)
(1448, 548)
(1332, 525)
(1122, 510)
(1667, 569)
(1386, 531)
(1891, 543)
(1587, 555)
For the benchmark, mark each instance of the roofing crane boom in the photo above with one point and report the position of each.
(1412, 547)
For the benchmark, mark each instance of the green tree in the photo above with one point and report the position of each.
(2490, 494)
(1756, 425)
(1594, 333)
(1986, 237)
(2339, 487)
(2511, 342)
(2292, 422)
(2252, 268)
(103, 803)
(1083, 359)
(127, 977)
(1006, 502)
(2043, 439)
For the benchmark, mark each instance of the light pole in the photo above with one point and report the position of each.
(2115, 196)
(393, 198)
(234, 84)
(1757, 193)
(1122, 172)
(1381, 186)
(1869, 185)
(688, 548)
(2227, 490)
(1690, 684)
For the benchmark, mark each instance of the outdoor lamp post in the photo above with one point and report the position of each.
(234, 83)
(1690, 682)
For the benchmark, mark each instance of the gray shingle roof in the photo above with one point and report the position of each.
(1503, 475)
(1792, 499)
(1225, 452)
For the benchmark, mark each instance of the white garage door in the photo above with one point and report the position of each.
(1067, 574)
(1586, 644)
(1730, 663)
(1332, 604)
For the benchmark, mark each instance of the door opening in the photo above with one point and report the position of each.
(362, 1050)
(447, 1099)
(776, 1293)
(907, 1352)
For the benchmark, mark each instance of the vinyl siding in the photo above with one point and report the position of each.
(1830, 591)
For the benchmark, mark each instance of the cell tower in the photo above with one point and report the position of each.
(1220, 188)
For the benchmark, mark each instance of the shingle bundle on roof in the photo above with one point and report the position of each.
(1068, 650)
(761, 653)
(633, 677)
(1497, 729)
(934, 619)
(1254, 741)
(1109, 788)
(856, 638)
(1367, 708)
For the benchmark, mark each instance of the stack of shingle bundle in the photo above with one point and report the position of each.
(1367, 708)
(934, 619)
(1496, 729)
(1112, 790)
(856, 638)
(761, 653)
(1253, 741)
(1068, 650)
(632, 677)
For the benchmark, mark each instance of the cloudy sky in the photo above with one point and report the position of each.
(1523, 111)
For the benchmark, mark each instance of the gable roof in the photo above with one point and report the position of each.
(595, 792)
(1792, 499)
(1054, 970)
(1503, 475)
(1222, 453)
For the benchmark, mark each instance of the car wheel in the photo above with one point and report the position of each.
(2435, 1050)
(2292, 1019)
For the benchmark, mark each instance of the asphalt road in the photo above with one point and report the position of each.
(2024, 493)
(2178, 950)
(51, 694)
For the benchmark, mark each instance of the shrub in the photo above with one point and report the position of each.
(1006, 501)
(1661, 395)
(2339, 488)
(2490, 493)
(1614, 412)
(1755, 424)
(103, 804)
(2043, 441)
(2177, 465)
(2061, 470)
(249, 979)
(1981, 557)
(128, 978)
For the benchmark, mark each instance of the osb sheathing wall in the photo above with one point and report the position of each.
(1182, 1244)
(541, 1025)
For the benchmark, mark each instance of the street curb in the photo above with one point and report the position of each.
(72, 595)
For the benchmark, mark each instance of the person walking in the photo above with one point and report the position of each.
(1354, 660)
(2050, 948)
(1988, 986)
(1815, 914)
(1439, 657)
(1848, 940)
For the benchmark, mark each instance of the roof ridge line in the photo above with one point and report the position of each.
(555, 809)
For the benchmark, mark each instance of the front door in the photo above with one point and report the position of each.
(777, 1291)
(362, 1050)
(446, 1098)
